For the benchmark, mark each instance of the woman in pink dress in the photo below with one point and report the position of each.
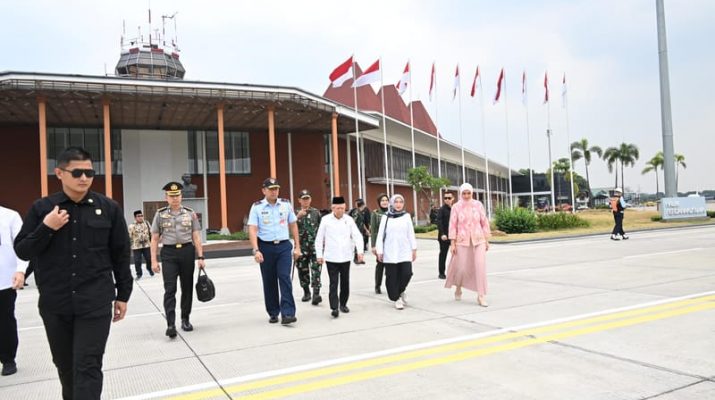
(469, 235)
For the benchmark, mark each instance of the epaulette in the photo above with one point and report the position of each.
(163, 209)
(284, 200)
(188, 209)
(258, 203)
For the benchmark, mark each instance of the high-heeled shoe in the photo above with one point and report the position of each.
(482, 302)
(458, 295)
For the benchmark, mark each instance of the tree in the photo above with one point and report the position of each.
(627, 155)
(423, 182)
(679, 161)
(580, 149)
(611, 157)
(561, 166)
(652, 165)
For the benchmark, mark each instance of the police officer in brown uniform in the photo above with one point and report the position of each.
(178, 229)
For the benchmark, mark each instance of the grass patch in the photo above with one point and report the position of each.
(425, 228)
(240, 235)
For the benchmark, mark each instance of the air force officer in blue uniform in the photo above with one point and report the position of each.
(269, 223)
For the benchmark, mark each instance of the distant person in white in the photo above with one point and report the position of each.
(12, 278)
(396, 247)
(337, 240)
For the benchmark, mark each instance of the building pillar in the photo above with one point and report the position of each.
(107, 150)
(272, 140)
(336, 158)
(222, 171)
(42, 111)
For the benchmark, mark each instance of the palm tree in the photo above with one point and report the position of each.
(561, 166)
(652, 165)
(627, 154)
(580, 149)
(679, 161)
(611, 156)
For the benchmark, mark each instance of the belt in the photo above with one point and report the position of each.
(178, 245)
(272, 241)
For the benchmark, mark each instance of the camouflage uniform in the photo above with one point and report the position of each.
(307, 264)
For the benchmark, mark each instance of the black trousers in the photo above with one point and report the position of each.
(397, 276)
(365, 241)
(8, 326)
(339, 273)
(77, 343)
(146, 254)
(379, 273)
(178, 263)
(443, 251)
(618, 227)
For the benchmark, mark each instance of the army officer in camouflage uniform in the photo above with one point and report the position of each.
(308, 268)
(178, 229)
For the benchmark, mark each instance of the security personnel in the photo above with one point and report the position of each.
(308, 266)
(178, 229)
(269, 222)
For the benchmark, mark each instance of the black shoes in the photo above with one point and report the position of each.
(288, 320)
(335, 313)
(186, 325)
(138, 277)
(624, 237)
(273, 319)
(377, 290)
(316, 297)
(9, 368)
(344, 309)
(306, 294)
(171, 331)
(442, 276)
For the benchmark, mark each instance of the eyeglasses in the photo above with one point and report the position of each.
(448, 198)
(77, 172)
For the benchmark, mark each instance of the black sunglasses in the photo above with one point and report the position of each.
(77, 172)
(448, 198)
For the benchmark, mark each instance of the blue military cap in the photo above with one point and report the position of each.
(271, 183)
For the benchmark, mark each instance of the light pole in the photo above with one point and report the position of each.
(551, 168)
(665, 115)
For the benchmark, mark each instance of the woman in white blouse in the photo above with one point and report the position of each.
(396, 247)
(335, 243)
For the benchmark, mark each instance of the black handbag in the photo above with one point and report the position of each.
(205, 289)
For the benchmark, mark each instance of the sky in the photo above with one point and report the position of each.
(607, 49)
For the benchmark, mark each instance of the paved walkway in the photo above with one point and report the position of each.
(584, 318)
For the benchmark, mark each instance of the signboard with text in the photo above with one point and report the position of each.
(683, 207)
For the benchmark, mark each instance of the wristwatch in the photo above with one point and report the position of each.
(200, 258)
(255, 251)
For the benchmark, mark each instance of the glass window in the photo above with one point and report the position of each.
(237, 152)
(91, 139)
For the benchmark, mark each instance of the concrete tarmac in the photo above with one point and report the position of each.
(585, 318)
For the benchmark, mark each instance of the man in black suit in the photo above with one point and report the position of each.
(443, 232)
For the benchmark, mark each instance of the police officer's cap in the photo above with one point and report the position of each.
(271, 183)
(304, 194)
(173, 188)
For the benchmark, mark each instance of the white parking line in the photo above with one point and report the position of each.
(664, 252)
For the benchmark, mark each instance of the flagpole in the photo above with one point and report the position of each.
(528, 144)
(548, 135)
(568, 144)
(412, 131)
(357, 141)
(461, 137)
(384, 128)
(508, 153)
(484, 144)
(436, 123)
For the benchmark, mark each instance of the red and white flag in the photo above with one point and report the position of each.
(563, 93)
(342, 73)
(546, 87)
(456, 83)
(523, 88)
(405, 80)
(369, 76)
(432, 82)
(499, 85)
(474, 83)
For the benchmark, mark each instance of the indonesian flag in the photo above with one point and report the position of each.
(402, 84)
(342, 73)
(456, 83)
(523, 88)
(369, 76)
(432, 83)
(499, 85)
(546, 87)
(474, 83)
(563, 92)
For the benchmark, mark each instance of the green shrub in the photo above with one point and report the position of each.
(656, 218)
(240, 235)
(425, 228)
(518, 220)
(711, 214)
(560, 220)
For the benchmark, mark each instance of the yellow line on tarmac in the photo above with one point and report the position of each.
(302, 376)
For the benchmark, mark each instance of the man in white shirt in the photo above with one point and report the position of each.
(337, 239)
(12, 278)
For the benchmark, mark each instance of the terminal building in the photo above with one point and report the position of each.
(147, 125)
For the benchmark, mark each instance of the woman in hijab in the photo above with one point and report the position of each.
(469, 234)
(396, 247)
(383, 202)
